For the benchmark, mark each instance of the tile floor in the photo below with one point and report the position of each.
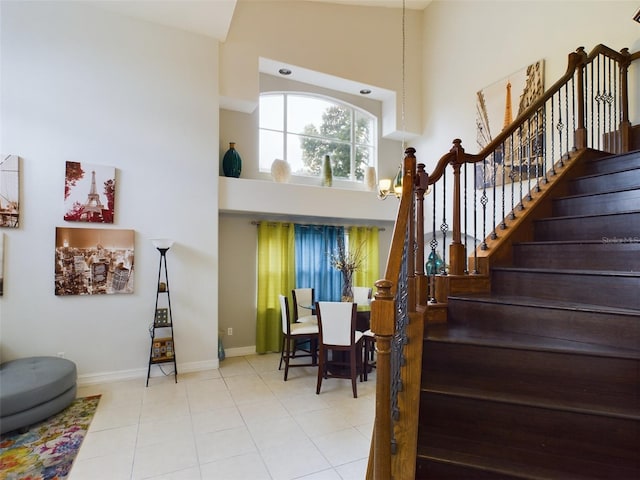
(239, 422)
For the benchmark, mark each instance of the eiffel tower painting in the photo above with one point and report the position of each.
(496, 107)
(89, 193)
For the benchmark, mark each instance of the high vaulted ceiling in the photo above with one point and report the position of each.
(213, 17)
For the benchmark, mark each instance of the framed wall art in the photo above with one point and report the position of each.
(89, 193)
(1, 263)
(9, 191)
(497, 105)
(93, 261)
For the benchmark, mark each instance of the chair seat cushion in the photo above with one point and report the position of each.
(308, 319)
(306, 328)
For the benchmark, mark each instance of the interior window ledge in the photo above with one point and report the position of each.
(261, 196)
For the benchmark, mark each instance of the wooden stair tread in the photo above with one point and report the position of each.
(632, 241)
(567, 271)
(590, 215)
(532, 470)
(529, 398)
(504, 339)
(546, 303)
(596, 194)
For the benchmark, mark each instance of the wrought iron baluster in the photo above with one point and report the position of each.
(560, 126)
(443, 226)
(529, 157)
(616, 110)
(464, 203)
(432, 257)
(592, 96)
(512, 178)
(553, 149)
(483, 201)
(545, 163)
(494, 234)
(573, 109)
(475, 221)
(399, 340)
(503, 178)
(537, 151)
(521, 204)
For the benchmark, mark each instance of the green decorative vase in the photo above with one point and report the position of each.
(231, 162)
(327, 173)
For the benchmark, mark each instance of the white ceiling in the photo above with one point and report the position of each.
(213, 17)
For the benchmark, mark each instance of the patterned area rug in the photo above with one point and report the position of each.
(47, 450)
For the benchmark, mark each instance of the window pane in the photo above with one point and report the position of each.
(364, 158)
(365, 129)
(340, 154)
(271, 147)
(272, 112)
(305, 113)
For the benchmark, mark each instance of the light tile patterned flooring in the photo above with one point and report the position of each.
(239, 422)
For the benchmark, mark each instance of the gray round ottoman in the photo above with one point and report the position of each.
(32, 389)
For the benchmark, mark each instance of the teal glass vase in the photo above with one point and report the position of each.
(231, 162)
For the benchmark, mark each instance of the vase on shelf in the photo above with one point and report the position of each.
(231, 162)
(370, 178)
(280, 171)
(327, 173)
(347, 291)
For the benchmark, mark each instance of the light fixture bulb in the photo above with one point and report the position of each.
(384, 188)
(397, 183)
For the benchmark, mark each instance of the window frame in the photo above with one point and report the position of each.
(354, 111)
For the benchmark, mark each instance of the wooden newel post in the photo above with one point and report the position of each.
(457, 259)
(625, 125)
(581, 130)
(382, 310)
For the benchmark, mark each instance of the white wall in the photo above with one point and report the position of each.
(471, 44)
(85, 85)
(360, 44)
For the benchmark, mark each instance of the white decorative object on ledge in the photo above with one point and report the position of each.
(370, 178)
(280, 171)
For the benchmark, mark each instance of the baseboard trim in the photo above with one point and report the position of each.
(240, 351)
(141, 373)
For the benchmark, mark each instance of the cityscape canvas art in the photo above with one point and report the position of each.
(93, 261)
(9, 190)
(89, 193)
(1, 264)
(497, 105)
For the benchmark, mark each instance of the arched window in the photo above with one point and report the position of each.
(301, 129)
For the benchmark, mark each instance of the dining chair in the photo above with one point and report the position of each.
(303, 302)
(293, 336)
(361, 295)
(338, 334)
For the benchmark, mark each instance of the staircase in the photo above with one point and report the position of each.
(540, 379)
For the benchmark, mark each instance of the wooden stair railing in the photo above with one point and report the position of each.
(397, 317)
(407, 297)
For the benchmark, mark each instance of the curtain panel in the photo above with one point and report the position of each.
(276, 275)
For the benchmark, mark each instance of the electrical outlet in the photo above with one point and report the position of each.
(61, 354)
(229, 331)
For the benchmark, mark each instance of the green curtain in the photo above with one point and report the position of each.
(276, 275)
(367, 239)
